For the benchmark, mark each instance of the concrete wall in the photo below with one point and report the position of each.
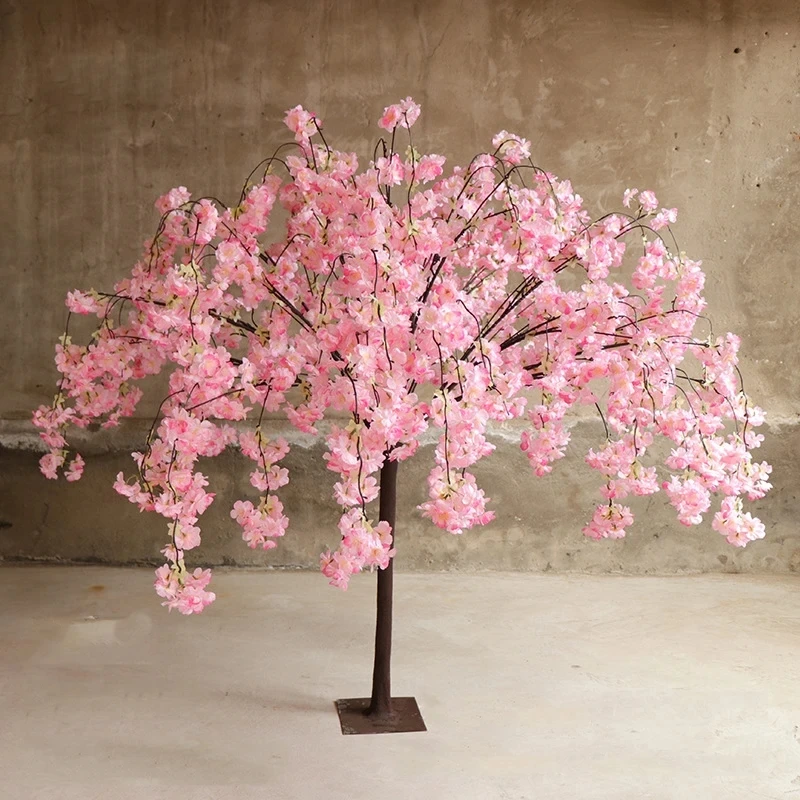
(105, 105)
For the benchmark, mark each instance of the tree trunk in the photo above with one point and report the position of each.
(381, 701)
(381, 713)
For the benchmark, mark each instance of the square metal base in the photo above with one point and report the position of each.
(405, 717)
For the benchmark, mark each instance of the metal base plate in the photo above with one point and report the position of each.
(404, 718)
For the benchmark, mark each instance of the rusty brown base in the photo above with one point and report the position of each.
(404, 717)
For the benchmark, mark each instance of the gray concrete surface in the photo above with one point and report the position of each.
(532, 687)
(106, 105)
(538, 524)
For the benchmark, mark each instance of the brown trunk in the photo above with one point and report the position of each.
(381, 713)
(381, 701)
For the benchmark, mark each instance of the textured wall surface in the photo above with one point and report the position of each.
(106, 105)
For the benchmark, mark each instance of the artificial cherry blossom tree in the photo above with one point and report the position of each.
(405, 299)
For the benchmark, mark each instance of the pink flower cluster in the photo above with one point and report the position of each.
(183, 590)
(404, 114)
(406, 299)
(263, 524)
(363, 545)
(737, 527)
(609, 522)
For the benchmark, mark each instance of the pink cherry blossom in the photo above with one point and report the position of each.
(301, 123)
(403, 114)
(174, 199)
(406, 300)
(667, 216)
(737, 527)
(628, 195)
(75, 470)
(83, 303)
(511, 147)
(50, 463)
(184, 591)
(648, 201)
(609, 522)
(690, 498)
(429, 168)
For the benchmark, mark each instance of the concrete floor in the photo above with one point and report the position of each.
(532, 687)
